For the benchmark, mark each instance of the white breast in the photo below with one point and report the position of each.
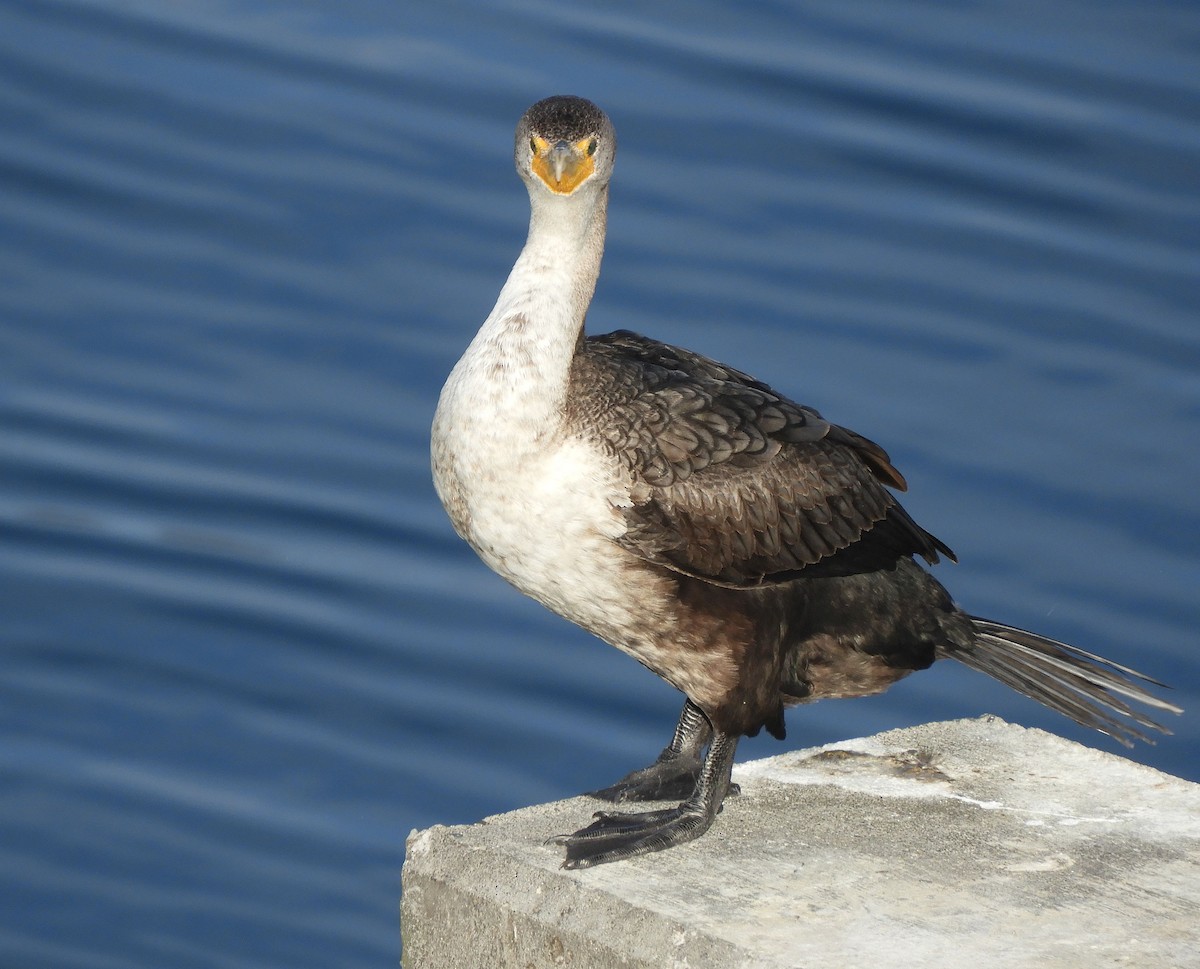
(535, 501)
(534, 496)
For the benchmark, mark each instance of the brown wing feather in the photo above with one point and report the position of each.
(735, 483)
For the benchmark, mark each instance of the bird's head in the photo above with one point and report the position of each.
(564, 143)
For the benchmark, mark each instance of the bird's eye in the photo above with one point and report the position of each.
(591, 148)
(533, 145)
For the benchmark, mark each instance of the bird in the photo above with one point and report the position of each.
(739, 545)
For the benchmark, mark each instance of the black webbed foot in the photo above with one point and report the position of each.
(615, 835)
(664, 780)
(674, 775)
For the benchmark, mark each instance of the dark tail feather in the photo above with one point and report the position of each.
(1086, 687)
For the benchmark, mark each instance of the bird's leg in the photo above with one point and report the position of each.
(673, 776)
(614, 836)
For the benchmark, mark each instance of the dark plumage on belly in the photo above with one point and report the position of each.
(814, 638)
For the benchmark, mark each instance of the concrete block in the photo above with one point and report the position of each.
(973, 843)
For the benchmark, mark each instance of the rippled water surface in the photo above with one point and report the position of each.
(241, 244)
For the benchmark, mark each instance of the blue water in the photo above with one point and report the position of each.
(241, 245)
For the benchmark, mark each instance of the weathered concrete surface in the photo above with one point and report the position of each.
(972, 844)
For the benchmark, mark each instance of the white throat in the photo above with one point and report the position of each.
(505, 399)
(521, 478)
(538, 317)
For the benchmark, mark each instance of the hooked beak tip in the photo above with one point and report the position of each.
(562, 159)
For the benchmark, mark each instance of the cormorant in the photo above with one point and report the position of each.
(738, 544)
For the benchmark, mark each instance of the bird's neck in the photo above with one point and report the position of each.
(555, 276)
(526, 345)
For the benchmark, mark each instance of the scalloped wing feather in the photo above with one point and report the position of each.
(734, 483)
